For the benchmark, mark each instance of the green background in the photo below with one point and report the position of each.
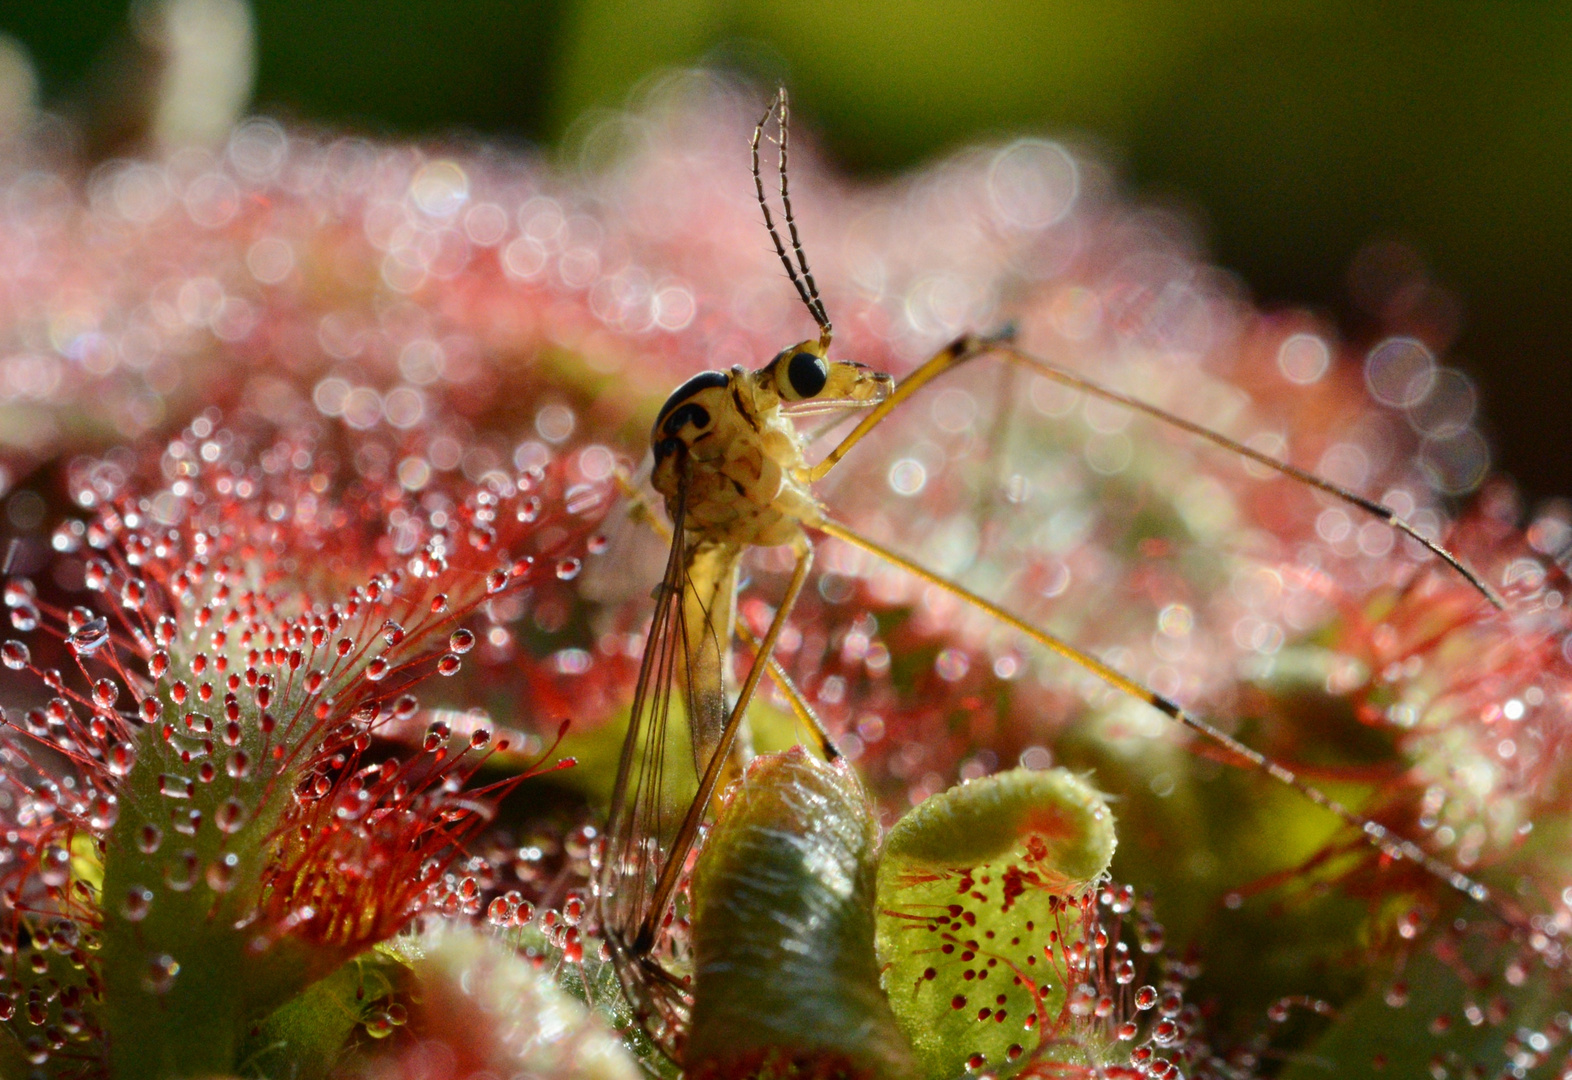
(1297, 132)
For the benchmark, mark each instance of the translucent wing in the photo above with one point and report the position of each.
(643, 816)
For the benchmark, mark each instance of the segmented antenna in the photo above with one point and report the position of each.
(803, 281)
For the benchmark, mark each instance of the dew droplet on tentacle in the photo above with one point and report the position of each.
(89, 637)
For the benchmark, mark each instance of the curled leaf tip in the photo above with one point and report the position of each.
(982, 896)
(785, 981)
(1053, 820)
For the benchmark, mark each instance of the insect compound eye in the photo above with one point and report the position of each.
(807, 374)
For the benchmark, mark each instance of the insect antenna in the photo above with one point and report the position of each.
(821, 316)
(806, 288)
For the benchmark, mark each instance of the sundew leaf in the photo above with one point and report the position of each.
(785, 980)
(591, 980)
(178, 951)
(51, 988)
(979, 916)
(1463, 1006)
(306, 1038)
(192, 817)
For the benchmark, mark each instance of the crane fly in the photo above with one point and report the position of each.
(733, 469)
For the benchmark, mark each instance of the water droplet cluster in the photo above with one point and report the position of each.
(238, 639)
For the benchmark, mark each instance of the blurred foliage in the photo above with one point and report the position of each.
(1299, 131)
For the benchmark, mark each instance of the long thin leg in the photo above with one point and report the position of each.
(971, 346)
(1391, 845)
(794, 696)
(1369, 506)
(683, 842)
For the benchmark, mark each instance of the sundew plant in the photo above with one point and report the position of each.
(328, 573)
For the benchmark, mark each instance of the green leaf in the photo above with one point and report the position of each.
(596, 750)
(1470, 1006)
(305, 1038)
(182, 984)
(784, 972)
(976, 916)
(56, 984)
(593, 983)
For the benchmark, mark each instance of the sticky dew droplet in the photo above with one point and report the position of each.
(138, 899)
(180, 874)
(500, 912)
(90, 637)
(437, 735)
(221, 872)
(231, 816)
(120, 758)
(159, 977)
(171, 786)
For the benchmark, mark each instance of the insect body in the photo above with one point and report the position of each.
(734, 472)
(732, 465)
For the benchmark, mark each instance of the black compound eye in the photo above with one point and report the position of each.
(807, 374)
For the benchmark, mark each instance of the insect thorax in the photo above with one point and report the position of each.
(742, 458)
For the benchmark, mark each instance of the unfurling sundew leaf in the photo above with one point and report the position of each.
(785, 981)
(980, 924)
